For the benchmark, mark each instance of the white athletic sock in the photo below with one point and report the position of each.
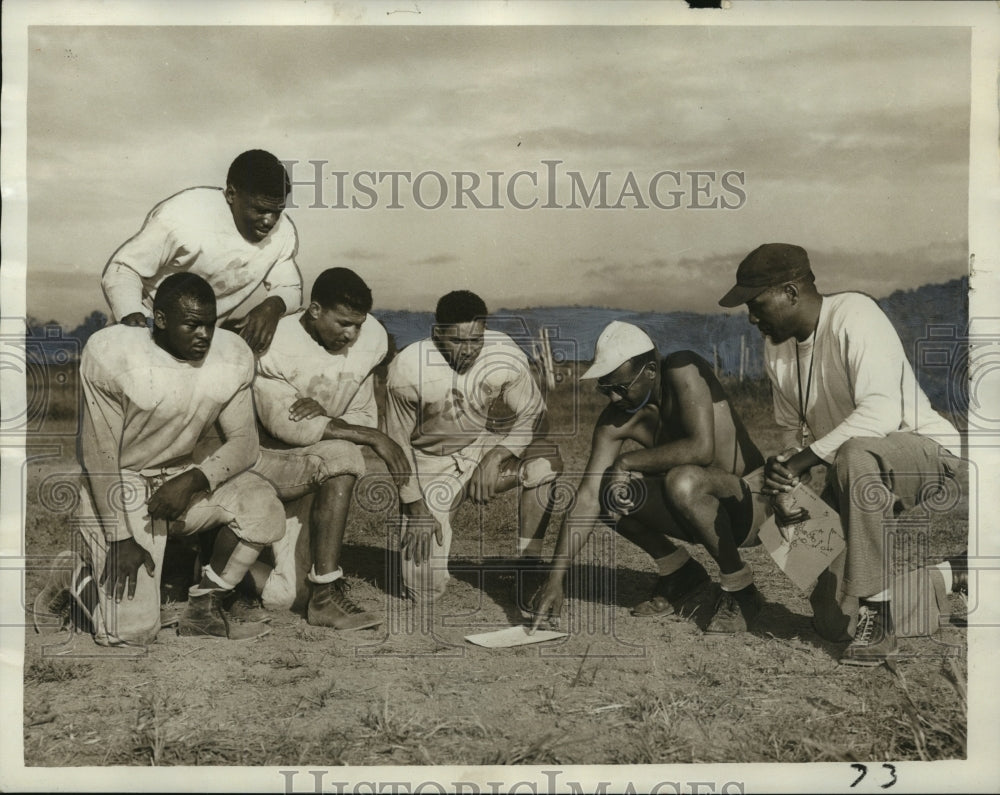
(80, 582)
(529, 547)
(738, 580)
(881, 596)
(208, 573)
(322, 579)
(81, 579)
(668, 564)
(945, 568)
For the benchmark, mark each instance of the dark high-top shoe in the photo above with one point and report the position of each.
(874, 637)
(329, 606)
(206, 616)
(735, 611)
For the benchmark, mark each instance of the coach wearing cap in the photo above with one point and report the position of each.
(685, 481)
(845, 396)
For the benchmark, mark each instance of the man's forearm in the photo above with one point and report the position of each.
(285, 280)
(577, 528)
(803, 461)
(357, 434)
(102, 476)
(573, 536)
(105, 490)
(655, 460)
(123, 290)
(241, 447)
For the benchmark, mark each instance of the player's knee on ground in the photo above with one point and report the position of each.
(429, 580)
(425, 583)
(285, 579)
(278, 592)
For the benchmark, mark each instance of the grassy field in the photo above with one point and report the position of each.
(619, 690)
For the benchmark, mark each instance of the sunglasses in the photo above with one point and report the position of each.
(619, 389)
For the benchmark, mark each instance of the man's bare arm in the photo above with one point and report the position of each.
(336, 428)
(585, 515)
(587, 511)
(695, 443)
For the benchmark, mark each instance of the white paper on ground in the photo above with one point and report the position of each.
(513, 636)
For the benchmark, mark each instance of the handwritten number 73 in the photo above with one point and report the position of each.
(863, 770)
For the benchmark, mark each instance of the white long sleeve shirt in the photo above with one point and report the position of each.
(144, 411)
(435, 411)
(194, 231)
(297, 366)
(861, 383)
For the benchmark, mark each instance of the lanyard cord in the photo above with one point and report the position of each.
(804, 400)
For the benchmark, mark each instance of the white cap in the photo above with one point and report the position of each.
(618, 343)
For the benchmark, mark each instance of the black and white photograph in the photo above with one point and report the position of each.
(499, 397)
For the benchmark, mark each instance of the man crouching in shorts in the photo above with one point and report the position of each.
(684, 483)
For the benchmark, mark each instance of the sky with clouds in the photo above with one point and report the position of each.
(852, 142)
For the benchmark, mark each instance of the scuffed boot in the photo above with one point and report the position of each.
(329, 606)
(205, 616)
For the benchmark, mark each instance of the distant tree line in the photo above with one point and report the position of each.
(938, 311)
(52, 329)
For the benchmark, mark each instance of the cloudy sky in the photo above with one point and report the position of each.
(852, 142)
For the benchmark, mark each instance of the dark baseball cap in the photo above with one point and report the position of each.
(767, 266)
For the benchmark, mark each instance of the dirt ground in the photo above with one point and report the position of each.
(618, 690)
